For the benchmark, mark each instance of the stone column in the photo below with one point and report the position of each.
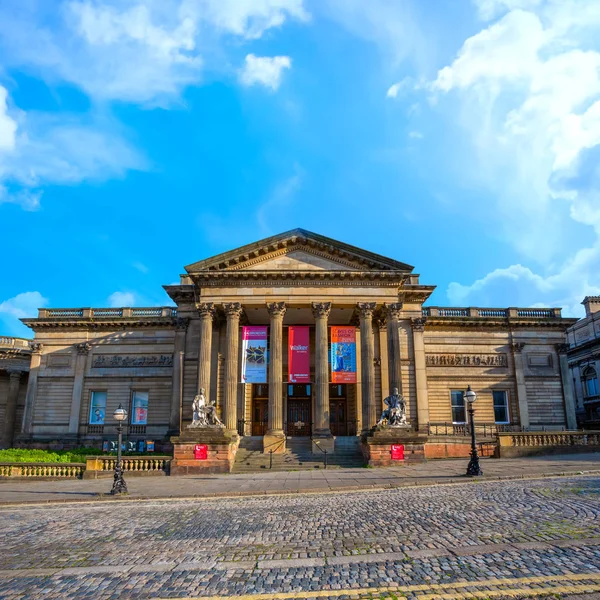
(83, 350)
(517, 348)
(177, 377)
(393, 335)
(11, 408)
(233, 310)
(570, 413)
(418, 327)
(275, 439)
(367, 367)
(34, 368)
(207, 313)
(321, 428)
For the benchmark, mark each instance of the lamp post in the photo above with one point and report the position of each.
(473, 470)
(119, 485)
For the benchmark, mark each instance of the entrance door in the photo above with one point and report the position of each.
(338, 421)
(298, 417)
(260, 416)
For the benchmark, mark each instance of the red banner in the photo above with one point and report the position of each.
(298, 354)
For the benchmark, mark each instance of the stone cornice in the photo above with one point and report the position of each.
(558, 324)
(83, 324)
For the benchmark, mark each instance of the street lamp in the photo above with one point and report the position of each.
(119, 485)
(473, 470)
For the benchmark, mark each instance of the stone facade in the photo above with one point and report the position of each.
(162, 356)
(584, 363)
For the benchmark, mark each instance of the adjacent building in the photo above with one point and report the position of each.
(84, 362)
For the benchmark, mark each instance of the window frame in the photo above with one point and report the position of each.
(506, 406)
(453, 406)
(92, 392)
(590, 374)
(132, 406)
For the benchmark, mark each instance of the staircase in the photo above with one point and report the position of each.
(297, 457)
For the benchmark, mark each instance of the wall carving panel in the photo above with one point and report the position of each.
(110, 361)
(466, 360)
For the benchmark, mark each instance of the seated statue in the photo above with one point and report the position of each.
(395, 413)
(204, 414)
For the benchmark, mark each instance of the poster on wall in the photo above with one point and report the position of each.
(298, 354)
(254, 354)
(343, 354)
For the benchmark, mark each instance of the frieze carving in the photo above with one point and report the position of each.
(109, 361)
(393, 310)
(518, 347)
(206, 310)
(35, 346)
(276, 309)
(233, 309)
(321, 309)
(418, 323)
(83, 348)
(366, 309)
(466, 360)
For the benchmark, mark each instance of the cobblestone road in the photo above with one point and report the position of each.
(452, 541)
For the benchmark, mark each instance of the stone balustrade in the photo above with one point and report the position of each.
(106, 313)
(99, 466)
(511, 445)
(42, 470)
(14, 342)
(504, 313)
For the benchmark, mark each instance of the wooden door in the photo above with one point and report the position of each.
(338, 420)
(298, 417)
(260, 416)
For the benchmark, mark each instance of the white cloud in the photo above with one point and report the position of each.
(264, 70)
(119, 299)
(141, 267)
(527, 94)
(393, 90)
(23, 305)
(8, 126)
(415, 135)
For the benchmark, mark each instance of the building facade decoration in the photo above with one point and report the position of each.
(83, 362)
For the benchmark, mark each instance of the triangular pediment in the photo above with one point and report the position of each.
(298, 250)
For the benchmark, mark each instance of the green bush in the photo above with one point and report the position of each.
(27, 455)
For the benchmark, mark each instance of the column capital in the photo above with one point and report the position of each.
(366, 309)
(14, 374)
(276, 309)
(393, 310)
(518, 347)
(418, 323)
(562, 348)
(83, 348)
(233, 310)
(321, 309)
(206, 310)
(36, 347)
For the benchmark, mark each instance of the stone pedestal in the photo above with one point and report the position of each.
(222, 447)
(377, 446)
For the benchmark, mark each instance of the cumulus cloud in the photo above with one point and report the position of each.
(264, 70)
(23, 305)
(119, 299)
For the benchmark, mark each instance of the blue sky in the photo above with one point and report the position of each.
(459, 136)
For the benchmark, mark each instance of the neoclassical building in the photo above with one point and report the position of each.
(86, 361)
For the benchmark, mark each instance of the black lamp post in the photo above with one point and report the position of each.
(473, 470)
(119, 485)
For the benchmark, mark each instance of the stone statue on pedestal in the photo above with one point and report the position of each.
(395, 413)
(204, 413)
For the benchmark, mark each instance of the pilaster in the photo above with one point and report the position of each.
(11, 408)
(36, 359)
(83, 350)
(517, 350)
(177, 377)
(570, 412)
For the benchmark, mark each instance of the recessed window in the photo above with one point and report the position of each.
(500, 406)
(459, 414)
(97, 408)
(139, 404)
(590, 382)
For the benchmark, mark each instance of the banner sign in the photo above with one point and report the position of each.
(254, 354)
(343, 354)
(298, 354)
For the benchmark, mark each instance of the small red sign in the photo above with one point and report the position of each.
(397, 452)
(200, 451)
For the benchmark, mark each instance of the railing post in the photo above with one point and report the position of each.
(270, 459)
(325, 459)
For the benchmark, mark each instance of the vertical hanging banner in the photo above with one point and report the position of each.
(343, 354)
(298, 354)
(254, 354)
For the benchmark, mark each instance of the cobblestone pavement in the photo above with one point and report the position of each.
(439, 472)
(495, 539)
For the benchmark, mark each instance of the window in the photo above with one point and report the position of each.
(590, 382)
(139, 405)
(459, 414)
(298, 390)
(97, 408)
(500, 407)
